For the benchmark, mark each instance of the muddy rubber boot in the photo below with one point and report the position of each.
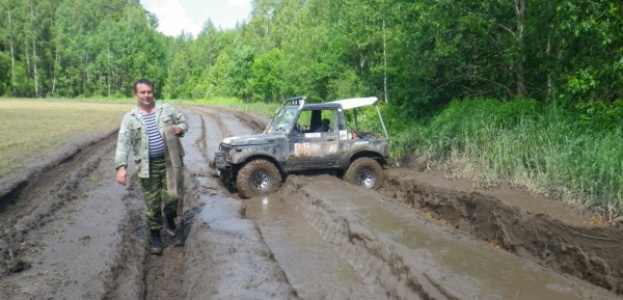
(171, 229)
(156, 242)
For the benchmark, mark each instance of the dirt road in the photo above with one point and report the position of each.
(68, 231)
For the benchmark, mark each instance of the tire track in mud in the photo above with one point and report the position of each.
(313, 266)
(32, 199)
(70, 214)
(212, 114)
(591, 253)
(375, 261)
(411, 257)
(253, 122)
(53, 210)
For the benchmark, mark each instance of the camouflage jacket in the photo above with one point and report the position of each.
(133, 135)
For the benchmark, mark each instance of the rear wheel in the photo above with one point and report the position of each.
(365, 172)
(256, 178)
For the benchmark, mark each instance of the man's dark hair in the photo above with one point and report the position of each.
(143, 81)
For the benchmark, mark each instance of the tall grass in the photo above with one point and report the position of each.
(572, 155)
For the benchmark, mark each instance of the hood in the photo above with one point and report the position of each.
(253, 139)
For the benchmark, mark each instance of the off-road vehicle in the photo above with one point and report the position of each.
(307, 137)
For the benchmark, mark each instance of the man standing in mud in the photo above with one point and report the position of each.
(142, 131)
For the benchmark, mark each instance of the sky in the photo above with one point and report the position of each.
(190, 15)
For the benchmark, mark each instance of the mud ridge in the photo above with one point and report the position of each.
(252, 120)
(127, 273)
(210, 112)
(10, 197)
(591, 253)
(200, 143)
(380, 261)
(12, 186)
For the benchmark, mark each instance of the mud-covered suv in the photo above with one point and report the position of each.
(307, 137)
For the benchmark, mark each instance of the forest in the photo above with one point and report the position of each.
(528, 91)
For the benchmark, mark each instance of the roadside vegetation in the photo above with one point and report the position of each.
(571, 154)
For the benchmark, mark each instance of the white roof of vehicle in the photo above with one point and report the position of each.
(356, 102)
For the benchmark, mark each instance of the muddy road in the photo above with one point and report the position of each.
(68, 231)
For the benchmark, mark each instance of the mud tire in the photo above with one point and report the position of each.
(365, 172)
(256, 178)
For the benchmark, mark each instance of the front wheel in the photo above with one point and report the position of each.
(256, 178)
(365, 172)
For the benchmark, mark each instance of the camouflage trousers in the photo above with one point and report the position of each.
(156, 196)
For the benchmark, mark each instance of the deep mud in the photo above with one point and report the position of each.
(68, 231)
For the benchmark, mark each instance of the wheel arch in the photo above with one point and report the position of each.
(367, 153)
(251, 158)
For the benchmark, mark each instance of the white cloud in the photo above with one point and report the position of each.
(231, 3)
(190, 15)
(173, 18)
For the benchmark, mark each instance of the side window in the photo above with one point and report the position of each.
(328, 121)
(316, 121)
(304, 121)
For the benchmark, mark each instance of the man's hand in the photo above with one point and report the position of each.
(122, 175)
(176, 129)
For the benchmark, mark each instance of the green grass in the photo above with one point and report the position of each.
(573, 155)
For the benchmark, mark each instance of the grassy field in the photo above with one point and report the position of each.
(32, 128)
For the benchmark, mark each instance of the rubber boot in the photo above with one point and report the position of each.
(156, 242)
(170, 227)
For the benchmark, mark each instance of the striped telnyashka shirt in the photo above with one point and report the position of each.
(156, 143)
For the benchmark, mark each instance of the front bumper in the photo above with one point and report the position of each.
(224, 169)
(220, 161)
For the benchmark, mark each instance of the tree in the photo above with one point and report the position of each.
(177, 85)
(266, 80)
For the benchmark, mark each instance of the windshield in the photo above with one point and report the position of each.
(283, 121)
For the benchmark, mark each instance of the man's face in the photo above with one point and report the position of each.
(144, 95)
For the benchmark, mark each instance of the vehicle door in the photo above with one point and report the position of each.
(314, 140)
